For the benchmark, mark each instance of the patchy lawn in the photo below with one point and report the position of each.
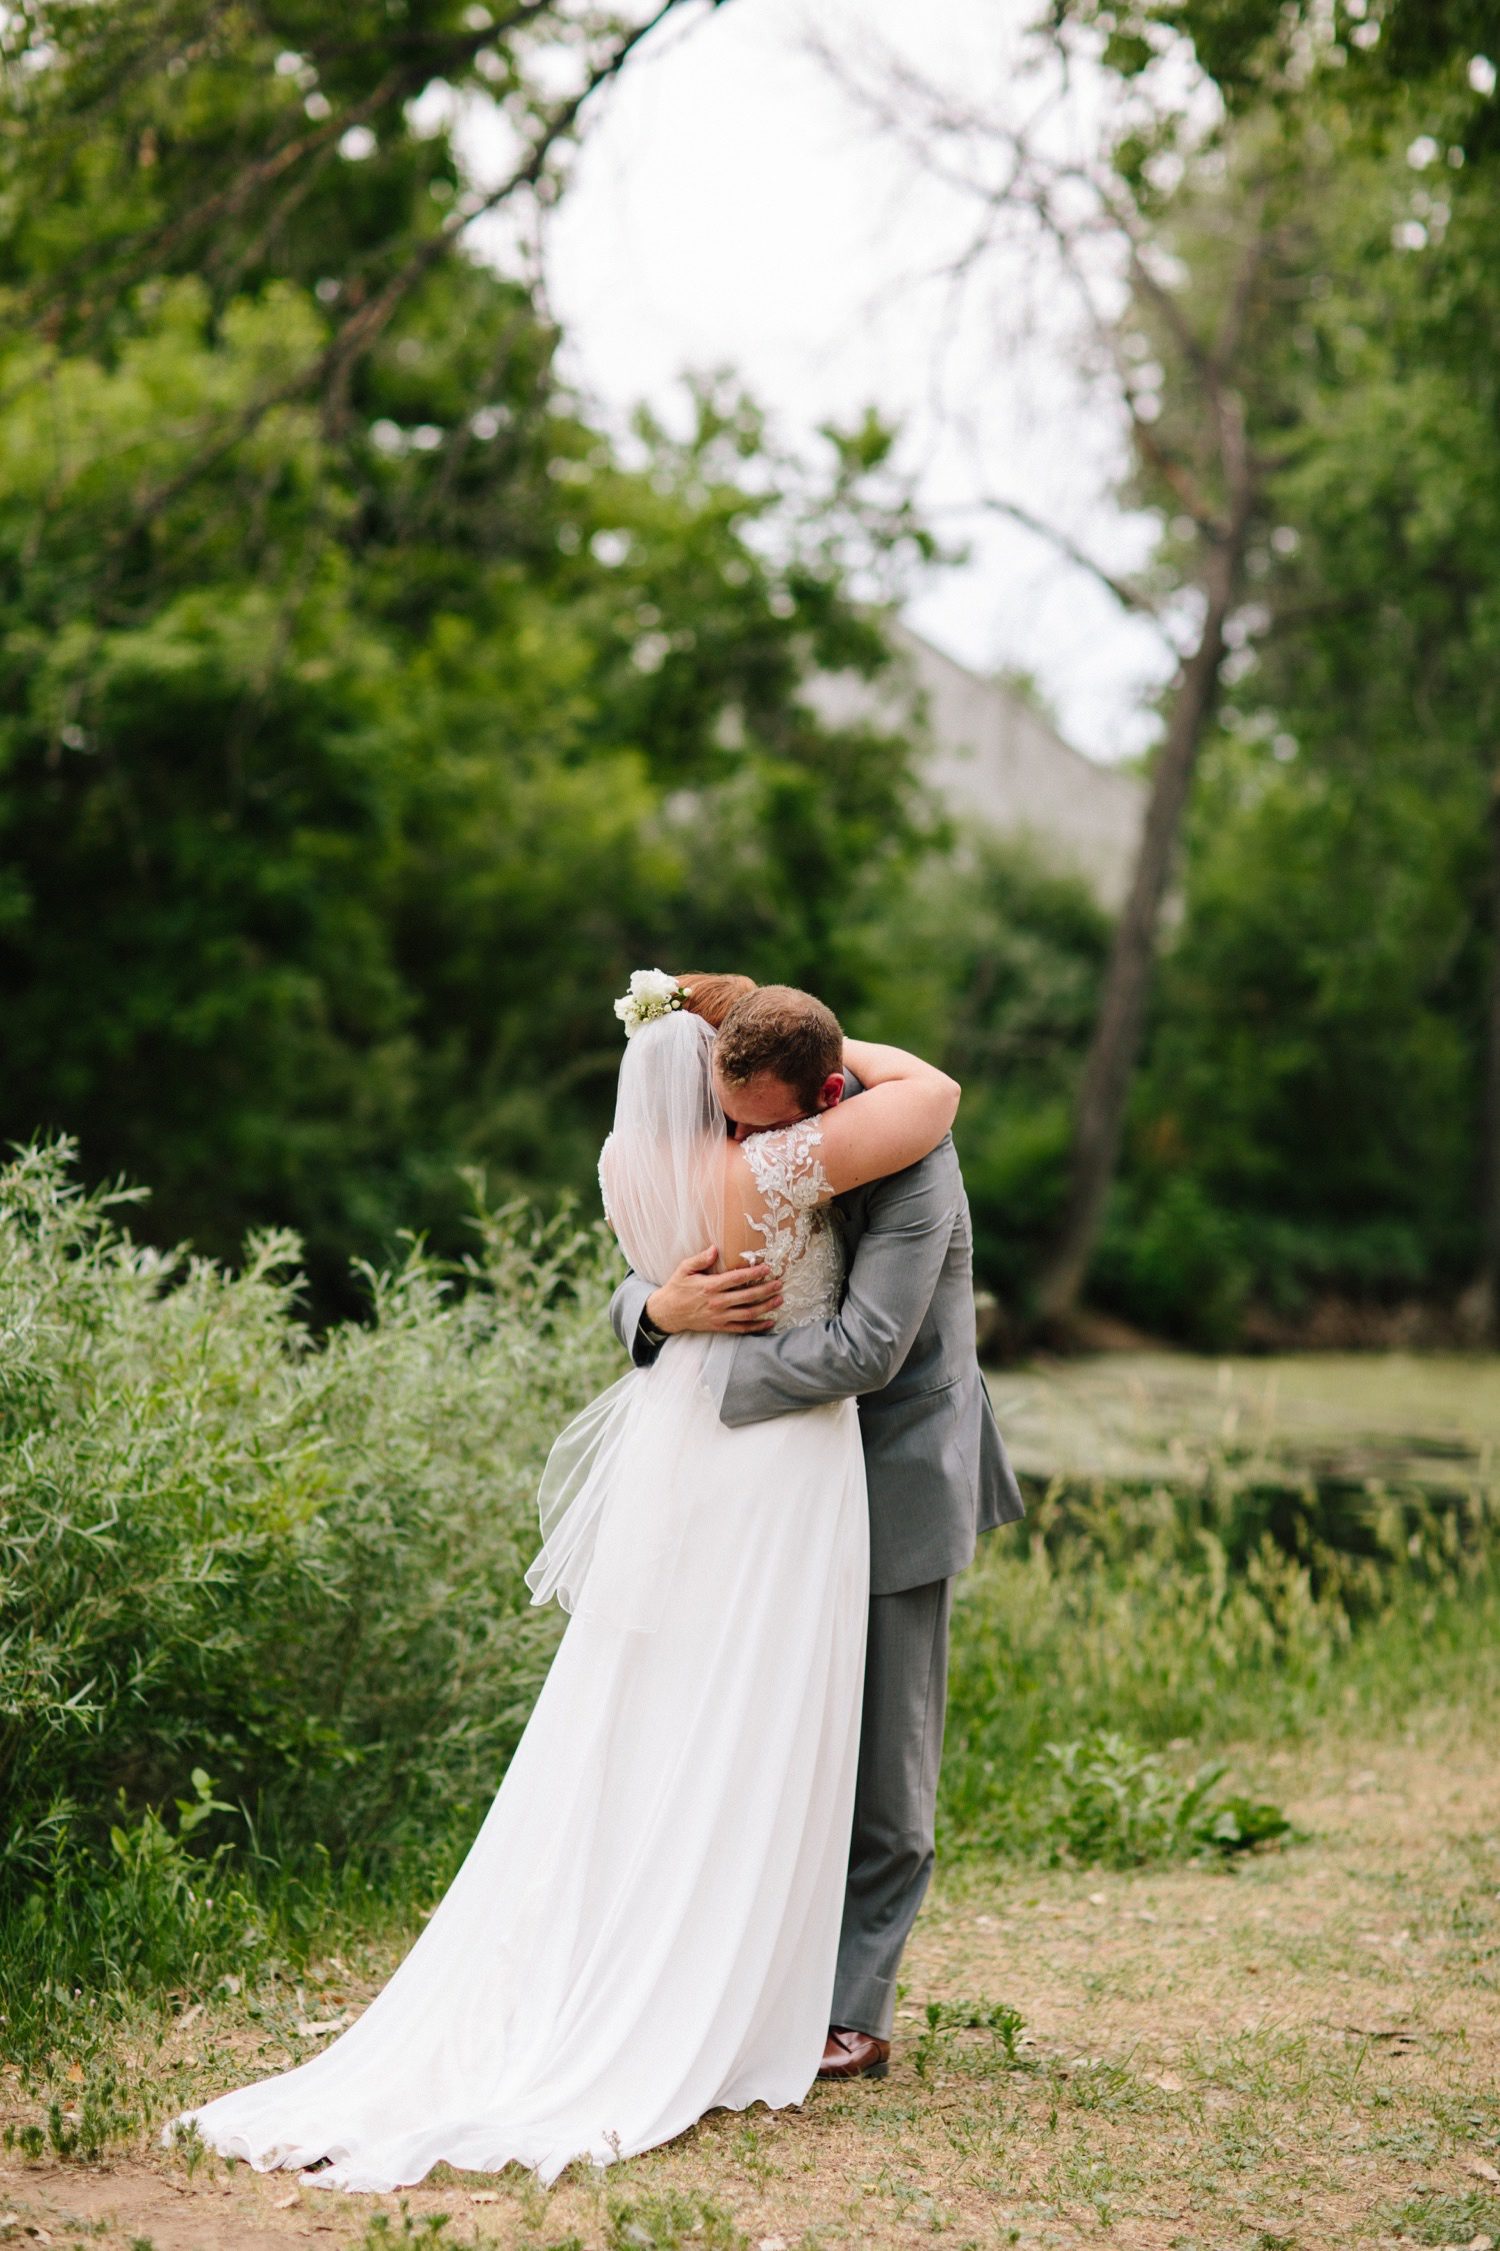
(1305, 2052)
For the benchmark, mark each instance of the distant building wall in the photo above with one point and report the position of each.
(995, 761)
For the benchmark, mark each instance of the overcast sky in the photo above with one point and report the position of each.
(732, 206)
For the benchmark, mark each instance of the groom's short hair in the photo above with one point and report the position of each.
(789, 1033)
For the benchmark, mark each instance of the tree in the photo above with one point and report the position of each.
(1161, 193)
(1373, 665)
(1387, 611)
(364, 713)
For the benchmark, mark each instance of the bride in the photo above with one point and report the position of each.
(645, 1927)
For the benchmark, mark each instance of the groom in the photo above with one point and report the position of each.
(937, 1472)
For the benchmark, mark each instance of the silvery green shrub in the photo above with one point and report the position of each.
(294, 1563)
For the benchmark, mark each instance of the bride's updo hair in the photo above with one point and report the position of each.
(789, 1033)
(712, 995)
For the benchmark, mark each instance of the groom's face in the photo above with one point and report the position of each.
(765, 1102)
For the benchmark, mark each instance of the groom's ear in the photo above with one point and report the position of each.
(831, 1092)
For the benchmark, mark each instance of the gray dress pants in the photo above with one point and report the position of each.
(900, 1751)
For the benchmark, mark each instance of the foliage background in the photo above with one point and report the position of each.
(366, 715)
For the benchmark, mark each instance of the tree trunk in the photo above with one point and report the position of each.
(1115, 1045)
(1482, 1301)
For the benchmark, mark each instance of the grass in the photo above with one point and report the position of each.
(1304, 2050)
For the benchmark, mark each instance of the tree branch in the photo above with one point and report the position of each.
(364, 327)
(1131, 598)
(128, 263)
(1226, 344)
(331, 370)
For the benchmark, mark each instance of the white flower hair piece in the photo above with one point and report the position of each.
(652, 993)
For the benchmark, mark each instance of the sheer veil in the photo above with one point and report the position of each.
(661, 1169)
(618, 1485)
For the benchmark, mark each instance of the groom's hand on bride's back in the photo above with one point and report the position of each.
(693, 1298)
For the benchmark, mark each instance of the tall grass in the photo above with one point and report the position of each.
(1189, 1620)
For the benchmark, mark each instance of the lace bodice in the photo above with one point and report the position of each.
(802, 1245)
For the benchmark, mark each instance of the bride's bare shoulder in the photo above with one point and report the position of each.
(767, 1163)
(785, 1161)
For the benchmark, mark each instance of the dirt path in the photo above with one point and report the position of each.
(1306, 2053)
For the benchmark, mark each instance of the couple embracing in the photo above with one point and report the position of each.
(694, 1884)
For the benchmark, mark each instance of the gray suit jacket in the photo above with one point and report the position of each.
(903, 1341)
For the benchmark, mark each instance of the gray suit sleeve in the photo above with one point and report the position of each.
(625, 1310)
(891, 1283)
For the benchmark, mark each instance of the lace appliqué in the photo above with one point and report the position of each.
(802, 1246)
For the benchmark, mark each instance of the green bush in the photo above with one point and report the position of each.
(1113, 1805)
(1170, 1258)
(296, 1568)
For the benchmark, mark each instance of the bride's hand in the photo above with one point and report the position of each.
(694, 1299)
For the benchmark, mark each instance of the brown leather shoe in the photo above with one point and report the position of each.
(854, 2055)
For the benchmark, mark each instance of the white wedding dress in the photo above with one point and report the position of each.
(646, 1925)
